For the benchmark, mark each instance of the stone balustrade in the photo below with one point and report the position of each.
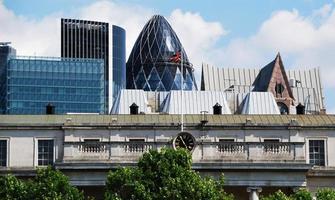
(206, 151)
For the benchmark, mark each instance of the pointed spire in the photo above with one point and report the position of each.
(278, 57)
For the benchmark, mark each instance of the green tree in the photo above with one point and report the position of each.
(325, 194)
(163, 175)
(13, 188)
(48, 184)
(279, 195)
(51, 184)
(302, 194)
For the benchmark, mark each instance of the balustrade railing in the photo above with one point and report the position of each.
(276, 148)
(92, 147)
(229, 151)
(231, 147)
(137, 147)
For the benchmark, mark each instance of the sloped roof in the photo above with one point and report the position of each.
(263, 78)
(194, 102)
(256, 103)
(241, 79)
(126, 98)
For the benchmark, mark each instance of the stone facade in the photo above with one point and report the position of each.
(256, 153)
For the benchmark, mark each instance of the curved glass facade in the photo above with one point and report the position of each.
(119, 62)
(71, 85)
(153, 64)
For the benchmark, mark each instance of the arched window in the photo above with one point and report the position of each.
(282, 108)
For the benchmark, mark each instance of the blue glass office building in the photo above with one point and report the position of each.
(92, 39)
(71, 85)
(6, 52)
(118, 62)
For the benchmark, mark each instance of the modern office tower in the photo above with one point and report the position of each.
(70, 85)
(155, 61)
(91, 39)
(6, 52)
(118, 58)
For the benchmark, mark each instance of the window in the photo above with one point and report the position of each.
(279, 88)
(317, 152)
(3, 153)
(45, 152)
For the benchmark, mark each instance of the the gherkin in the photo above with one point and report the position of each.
(152, 64)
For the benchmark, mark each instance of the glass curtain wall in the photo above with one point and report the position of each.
(71, 85)
(155, 61)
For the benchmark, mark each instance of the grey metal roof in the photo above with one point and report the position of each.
(260, 103)
(240, 80)
(194, 102)
(128, 97)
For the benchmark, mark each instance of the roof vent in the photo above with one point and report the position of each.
(133, 109)
(217, 109)
(300, 109)
(50, 109)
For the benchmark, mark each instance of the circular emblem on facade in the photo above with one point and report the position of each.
(184, 140)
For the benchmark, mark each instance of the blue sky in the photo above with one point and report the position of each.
(239, 33)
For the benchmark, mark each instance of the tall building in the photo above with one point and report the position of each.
(91, 39)
(6, 52)
(118, 58)
(155, 61)
(70, 85)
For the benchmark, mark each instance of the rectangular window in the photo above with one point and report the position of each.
(317, 152)
(3, 153)
(45, 152)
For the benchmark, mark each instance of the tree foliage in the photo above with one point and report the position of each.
(48, 184)
(279, 195)
(325, 194)
(163, 175)
(302, 194)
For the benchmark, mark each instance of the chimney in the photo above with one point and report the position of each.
(217, 109)
(300, 109)
(133, 109)
(50, 109)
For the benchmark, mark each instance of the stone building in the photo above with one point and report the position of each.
(258, 154)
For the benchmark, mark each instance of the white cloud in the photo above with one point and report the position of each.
(196, 35)
(30, 37)
(42, 37)
(302, 43)
(130, 17)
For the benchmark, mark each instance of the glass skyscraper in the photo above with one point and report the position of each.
(6, 52)
(92, 39)
(118, 62)
(155, 61)
(71, 85)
